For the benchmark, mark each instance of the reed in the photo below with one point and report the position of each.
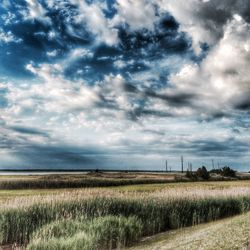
(58, 183)
(109, 232)
(156, 215)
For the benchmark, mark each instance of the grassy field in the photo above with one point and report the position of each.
(90, 179)
(116, 216)
(231, 233)
(187, 189)
(99, 179)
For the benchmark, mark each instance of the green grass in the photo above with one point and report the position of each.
(18, 224)
(69, 213)
(231, 233)
(109, 232)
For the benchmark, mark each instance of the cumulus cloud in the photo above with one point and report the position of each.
(203, 20)
(62, 95)
(7, 37)
(134, 77)
(37, 11)
(137, 15)
(221, 82)
(93, 17)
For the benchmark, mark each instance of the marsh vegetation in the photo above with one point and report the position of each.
(114, 217)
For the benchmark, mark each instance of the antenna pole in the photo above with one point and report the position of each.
(182, 164)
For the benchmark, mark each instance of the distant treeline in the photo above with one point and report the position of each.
(203, 174)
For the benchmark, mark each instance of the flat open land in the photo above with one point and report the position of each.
(143, 211)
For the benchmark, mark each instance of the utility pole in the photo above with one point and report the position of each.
(182, 164)
(213, 163)
(166, 165)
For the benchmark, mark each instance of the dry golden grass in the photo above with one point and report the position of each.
(197, 190)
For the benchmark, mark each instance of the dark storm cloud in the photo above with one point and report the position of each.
(205, 20)
(220, 11)
(242, 102)
(29, 130)
(137, 113)
(165, 37)
(230, 147)
(133, 114)
(178, 99)
(142, 97)
(48, 156)
(174, 99)
(56, 156)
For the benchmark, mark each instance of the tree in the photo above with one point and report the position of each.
(228, 172)
(225, 171)
(202, 173)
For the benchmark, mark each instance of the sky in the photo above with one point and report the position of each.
(123, 84)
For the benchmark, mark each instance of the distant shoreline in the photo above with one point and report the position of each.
(34, 172)
(77, 171)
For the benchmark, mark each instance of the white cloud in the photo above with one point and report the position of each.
(7, 37)
(52, 53)
(221, 82)
(138, 14)
(80, 53)
(76, 54)
(6, 4)
(36, 11)
(93, 16)
(52, 35)
(61, 95)
(105, 113)
(204, 21)
(120, 64)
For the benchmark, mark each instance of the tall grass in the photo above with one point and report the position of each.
(156, 215)
(100, 233)
(49, 183)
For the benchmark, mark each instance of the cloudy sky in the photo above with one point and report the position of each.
(124, 84)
